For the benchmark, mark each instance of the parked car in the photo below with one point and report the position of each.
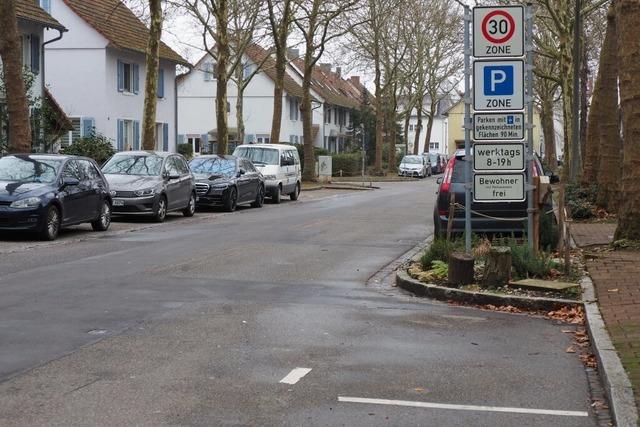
(42, 193)
(150, 183)
(227, 181)
(437, 163)
(483, 219)
(415, 166)
(280, 166)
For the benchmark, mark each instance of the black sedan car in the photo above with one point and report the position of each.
(42, 193)
(227, 181)
(150, 183)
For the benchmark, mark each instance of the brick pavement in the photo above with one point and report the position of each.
(616, 276)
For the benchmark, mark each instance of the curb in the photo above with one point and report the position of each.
(442, 293)
(614, 378)
(350, 187)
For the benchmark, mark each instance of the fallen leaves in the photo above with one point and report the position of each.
(573, 315)
(570, 349)
(589, 360)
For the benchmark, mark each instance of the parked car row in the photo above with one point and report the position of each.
(43, 193)
(420, 166)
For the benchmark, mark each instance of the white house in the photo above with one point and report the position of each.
(439, 131)
(32, 21)
(97, 73)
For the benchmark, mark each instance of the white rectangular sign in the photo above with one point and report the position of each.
(498, 31)
(492, 126)
(498, 156)
(499, 187)
(498, 85)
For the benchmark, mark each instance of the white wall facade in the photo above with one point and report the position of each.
(439, 138)
(82, 75)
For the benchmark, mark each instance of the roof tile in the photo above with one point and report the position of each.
(28, 10)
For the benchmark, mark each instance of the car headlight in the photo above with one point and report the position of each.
(219, 186)
(113, 193)
(31, 202)
(145, 192)
(270, 177)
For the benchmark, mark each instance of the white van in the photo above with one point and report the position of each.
(280, 166)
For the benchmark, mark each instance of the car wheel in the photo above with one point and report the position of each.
(190, 210)
(259, 198)
(161, 209)
(276, 196)
(232, 200)
(296, 193)
(104, 220)
(51, 225)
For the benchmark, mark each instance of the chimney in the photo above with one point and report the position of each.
(293, 53)
(326, 67)
(355, 80)
(339, 71)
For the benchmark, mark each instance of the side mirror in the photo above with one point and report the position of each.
(241, 172)
(439, 180)
(69, 181)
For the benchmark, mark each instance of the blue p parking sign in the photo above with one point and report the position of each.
(498, 80)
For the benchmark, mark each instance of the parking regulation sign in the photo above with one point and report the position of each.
(493, 126)
(498, 156)
(498, 31)
(498, 85)
(507, 187)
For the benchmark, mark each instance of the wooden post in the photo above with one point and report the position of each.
(460, 269)
(561, 223)
(536, 214)
(452, 212)
(497, 270)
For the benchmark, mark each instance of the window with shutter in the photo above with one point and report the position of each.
(88, 126)
(128, 77)
(136, 134)
(120, 138)
(35, 54)
(165, 136)
(160, 83)
(136, 78)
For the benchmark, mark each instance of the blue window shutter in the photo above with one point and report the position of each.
(136, 134)
(35, 54)
(120, 76)
(160, 83)
(136, 78)
(88, 123)
(204, 141)
(165, 136)
(46, 5)
(120, 141)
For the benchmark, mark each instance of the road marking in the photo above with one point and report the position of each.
(463, 407)
(295, 375)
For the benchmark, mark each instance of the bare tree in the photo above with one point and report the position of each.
(318, 22)
(151, 81)
(16, 96)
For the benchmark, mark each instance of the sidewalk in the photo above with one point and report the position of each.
(616, 276)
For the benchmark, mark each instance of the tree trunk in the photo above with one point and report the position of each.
(309, 171)
(416, 139)
(391, 128)
(497, 269)
(549, 133)
(460, 269)
(566, 86)
(377, 166)
(427, 137)
(584, 81)
(406, 132)
(15, 92)
(278, 92)
(608, 122)
(222, 46)
(592, 147)
(151, 80)
(628, 22)
(240, 103)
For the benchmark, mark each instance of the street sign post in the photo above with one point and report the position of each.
(508, 187)
(498, 85)
(493, 126)
(498, 31)
(498, 156)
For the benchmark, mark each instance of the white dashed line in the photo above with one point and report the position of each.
(295, 375)
(463, 407)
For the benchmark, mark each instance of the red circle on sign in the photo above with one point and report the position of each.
(508, 17)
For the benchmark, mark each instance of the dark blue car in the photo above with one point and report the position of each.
(43, 193)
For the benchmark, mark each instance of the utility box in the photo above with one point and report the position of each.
(324, 168)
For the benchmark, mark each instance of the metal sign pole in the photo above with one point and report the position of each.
(467, 129)
(531, 204)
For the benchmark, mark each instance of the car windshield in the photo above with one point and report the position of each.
(29, 169)
(412, 160)
(128, 164)
(259, 155)
(213, 166)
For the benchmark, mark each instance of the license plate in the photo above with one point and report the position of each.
(117, 202)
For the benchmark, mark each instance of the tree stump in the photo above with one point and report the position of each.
(497, 270)
(460, 269)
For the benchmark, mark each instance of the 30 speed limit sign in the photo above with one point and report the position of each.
(498, 31)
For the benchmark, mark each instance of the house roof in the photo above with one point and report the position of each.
(58, 120)
(258, 54)
(28, 10)
(331, 86)
(118, 24)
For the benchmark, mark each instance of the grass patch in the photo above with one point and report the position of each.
(526, 264)
(439, 250)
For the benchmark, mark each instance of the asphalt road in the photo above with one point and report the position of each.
(197, 322)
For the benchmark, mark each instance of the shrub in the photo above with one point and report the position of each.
(525, 263)
(581, 200)
(440, 250)
(349, 164)
(549, 232)
(186, 150)
(95, 146)
(317, 151)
